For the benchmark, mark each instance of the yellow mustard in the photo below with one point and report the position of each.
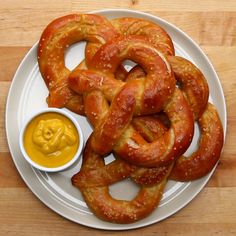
(51, 139)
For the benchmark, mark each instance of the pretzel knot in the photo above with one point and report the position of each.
(114, 131)
(144, 116)
(56, 38)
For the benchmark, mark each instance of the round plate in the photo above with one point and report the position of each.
(28, 94)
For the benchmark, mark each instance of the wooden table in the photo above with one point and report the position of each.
(212, 24)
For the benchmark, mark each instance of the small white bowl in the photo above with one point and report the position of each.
(66, 165)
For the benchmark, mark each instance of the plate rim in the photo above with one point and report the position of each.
(116, 226)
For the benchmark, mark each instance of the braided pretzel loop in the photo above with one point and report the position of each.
(130, 101)
(119, 211)
(194, 85)
(208, 153)
(111, 173)
(56, 38)
(192, 82)
(190, 78)
(95, 177)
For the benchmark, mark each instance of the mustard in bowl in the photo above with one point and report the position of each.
(51, 140)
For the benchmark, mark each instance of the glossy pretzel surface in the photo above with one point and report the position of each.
(123, 108)
(55, 39)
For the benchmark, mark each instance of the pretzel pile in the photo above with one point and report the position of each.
(145, 117)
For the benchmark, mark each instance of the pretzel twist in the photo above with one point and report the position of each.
(109, 209)
(122, 106)
(95, 103)
(118, 211)
(133, 98)
(193, 83)
(55, 39)
(95, 177)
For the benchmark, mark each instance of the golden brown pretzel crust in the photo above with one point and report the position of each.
(122, 107)
(134, 98)
(208, 153)
(118, 211)
(196, 89)
(165, 149)
(192, 82)
(55, 39)
(155, 34)
(96, 108)
(94, 177)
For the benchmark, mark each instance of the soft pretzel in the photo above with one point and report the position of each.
(55, 39)
(96, 108)
(118, 211)
(95, 177)
(192, 82)
(166, 148)
(196, 89)
(129, 101)
(194, 85)
(204, 159)
(190, 78)
(189, 168)
(187, 79)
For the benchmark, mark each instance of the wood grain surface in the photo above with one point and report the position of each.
(212, 24)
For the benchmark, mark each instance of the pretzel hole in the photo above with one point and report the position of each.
(119, 190)
(179, 84)
(195, 142)
(128, 64)
(108, 159)
(74, 55)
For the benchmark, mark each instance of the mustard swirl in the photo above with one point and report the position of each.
(52, 136)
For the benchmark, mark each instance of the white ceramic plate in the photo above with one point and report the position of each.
(27, 95)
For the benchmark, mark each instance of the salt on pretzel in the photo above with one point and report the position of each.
(161, 151)
(109, 209)
(202, 161)
(55, 39)
(192, 82)
(96, 108)
(94, 176)
(134, 97)
(156, 34)
(119, 101)
(194, 86)
(195, 166)
(195, 78)
(190, 78)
